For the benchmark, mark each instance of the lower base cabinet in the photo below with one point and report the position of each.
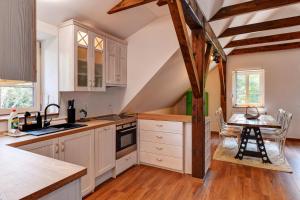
(105, 149)
(125, 162)
(48, 148)
(79, 149)
(76, 148)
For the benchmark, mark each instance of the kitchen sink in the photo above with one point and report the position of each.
(54, 129)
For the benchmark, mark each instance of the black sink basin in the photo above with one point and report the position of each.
(54, 129)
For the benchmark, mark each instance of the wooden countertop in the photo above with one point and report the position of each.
(165, 117)
(25, 175)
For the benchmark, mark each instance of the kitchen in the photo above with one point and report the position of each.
(94, 98)
(91, 67)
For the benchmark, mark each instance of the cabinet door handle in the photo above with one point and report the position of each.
(159, 125)
(56, 148)
(159, 137)
(62, 147)
(159, 159)
(159, 148)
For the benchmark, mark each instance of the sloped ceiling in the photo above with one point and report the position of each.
(164, 89)
(94, 12)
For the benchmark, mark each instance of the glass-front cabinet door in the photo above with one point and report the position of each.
(98, 64)
(82, 51)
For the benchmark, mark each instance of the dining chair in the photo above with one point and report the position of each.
(226, 130)
(279, 135)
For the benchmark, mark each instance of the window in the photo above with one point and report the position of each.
(248, 88)
(24, 96)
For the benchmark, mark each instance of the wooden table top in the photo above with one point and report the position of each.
(264, 121)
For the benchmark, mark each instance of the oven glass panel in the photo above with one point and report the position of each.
(126, 140)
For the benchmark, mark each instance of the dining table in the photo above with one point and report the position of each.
(252, 131)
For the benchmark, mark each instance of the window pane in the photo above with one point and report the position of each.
(17, 97)
(254, 89)
(241, 97)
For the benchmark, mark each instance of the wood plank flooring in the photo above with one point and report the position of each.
(225, 181)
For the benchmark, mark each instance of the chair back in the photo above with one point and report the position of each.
(220, 119)
(287, 122)
(280, 116)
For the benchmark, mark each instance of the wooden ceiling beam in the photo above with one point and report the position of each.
(262, 26)
(276, 47)
(264, 39)
(207, 60)
(250, 6)
(195, 19)
(127, 4)
(162, 2)
(178, 19)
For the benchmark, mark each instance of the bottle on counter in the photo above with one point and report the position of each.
(13, 122)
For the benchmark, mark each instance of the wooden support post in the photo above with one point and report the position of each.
(198, 122)
(222, 73)
(208, 53)
(179, 22)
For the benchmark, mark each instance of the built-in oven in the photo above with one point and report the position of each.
(126, 139)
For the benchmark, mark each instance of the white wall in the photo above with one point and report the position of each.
(96, 103)
(50, 71)
(213, 88)
(48, 35)
(148, 50)
(164, 88)
(282, 69)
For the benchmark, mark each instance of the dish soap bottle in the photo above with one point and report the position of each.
(13, 122)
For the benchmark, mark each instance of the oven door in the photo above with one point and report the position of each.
(125, 141)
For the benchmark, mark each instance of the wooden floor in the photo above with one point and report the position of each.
(224, 181)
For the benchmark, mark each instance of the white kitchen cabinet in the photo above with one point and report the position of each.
(48, 148)
(18, 40)
(81, 58)
(161, 144)
(79, 149)
(116, 58)
(105, 149)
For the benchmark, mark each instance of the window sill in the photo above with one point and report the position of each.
(248, 106)
(4, 118)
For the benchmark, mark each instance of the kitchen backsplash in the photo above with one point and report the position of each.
(95, 103)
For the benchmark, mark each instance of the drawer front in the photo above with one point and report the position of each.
(125, 162)
(162, 126)
(161, 149)
(162, 161)
(161, 137)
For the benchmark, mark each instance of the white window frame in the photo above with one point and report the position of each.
(36, 86)
(262, 88)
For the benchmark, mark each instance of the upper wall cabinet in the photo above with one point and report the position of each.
(18, 40)
(116, 59)
(81, 58)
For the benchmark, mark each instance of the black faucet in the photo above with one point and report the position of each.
(47, 123)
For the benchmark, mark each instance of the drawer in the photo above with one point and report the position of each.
(162, 161)
(161, 137)
(126, 162)
(162, 126)
(161, 149)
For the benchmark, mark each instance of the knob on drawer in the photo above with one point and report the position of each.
(159, 137)
(159, 159)
(159, 148)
